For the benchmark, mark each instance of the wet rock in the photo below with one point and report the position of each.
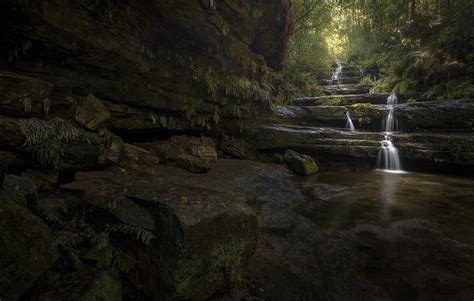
(24, 96)
(341, 99)
(91, 113)
(137, 160)
(300, 164)
(444, 115)
(27, 249)
(194, 164)
(313, 115)
(171, 149)
(205, 237)
(85, 285)
(438, 151)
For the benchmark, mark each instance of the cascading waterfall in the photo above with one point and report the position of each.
(336, 74)
(390, 124)
(388, 158)
(349, 123)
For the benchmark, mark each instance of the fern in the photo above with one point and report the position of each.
(47, 139)
(142, 235)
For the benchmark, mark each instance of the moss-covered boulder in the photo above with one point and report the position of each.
(205, 237)
(300, 164)
(27, 249)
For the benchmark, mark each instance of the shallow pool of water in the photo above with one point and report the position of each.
(375, 197)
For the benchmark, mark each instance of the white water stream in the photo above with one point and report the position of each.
(388, 158)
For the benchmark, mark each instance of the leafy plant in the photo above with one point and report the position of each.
(75, 234)
(47, 139)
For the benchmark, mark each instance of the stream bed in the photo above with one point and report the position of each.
(380, 198)
(373, 235)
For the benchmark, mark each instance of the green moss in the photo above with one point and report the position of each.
(333, 101)
(223, 265)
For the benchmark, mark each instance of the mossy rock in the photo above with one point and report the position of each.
(300, 164)
(204, 237)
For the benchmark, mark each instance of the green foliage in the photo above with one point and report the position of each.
(47, 139)
(142, 235)
(75, 234)
(366, 109)
(332, 101)
(413, 43)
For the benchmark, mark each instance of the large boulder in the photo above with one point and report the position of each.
(204, 237)
(27, 249)
(300, 164)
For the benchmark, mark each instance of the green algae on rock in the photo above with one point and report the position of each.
(300, 164)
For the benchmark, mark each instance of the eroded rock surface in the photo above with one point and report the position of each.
(205, 237)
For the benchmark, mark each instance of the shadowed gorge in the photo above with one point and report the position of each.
(252, 150)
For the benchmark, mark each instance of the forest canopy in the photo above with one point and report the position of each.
(414, 45)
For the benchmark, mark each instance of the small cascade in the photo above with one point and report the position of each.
(390, 123)
(388, 158)
(337, 74)
(349, 123)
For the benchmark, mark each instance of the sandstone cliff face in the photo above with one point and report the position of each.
(173, 64)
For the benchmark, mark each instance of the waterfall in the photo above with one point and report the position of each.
(336, 74)
(390, 123)
(349, 123)
(388, 158)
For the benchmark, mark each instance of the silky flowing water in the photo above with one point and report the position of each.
(380, 198)
(349, 124)
(388, 158)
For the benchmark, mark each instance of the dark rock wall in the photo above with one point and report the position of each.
(194, 63)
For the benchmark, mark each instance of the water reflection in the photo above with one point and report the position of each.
(348, 199)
